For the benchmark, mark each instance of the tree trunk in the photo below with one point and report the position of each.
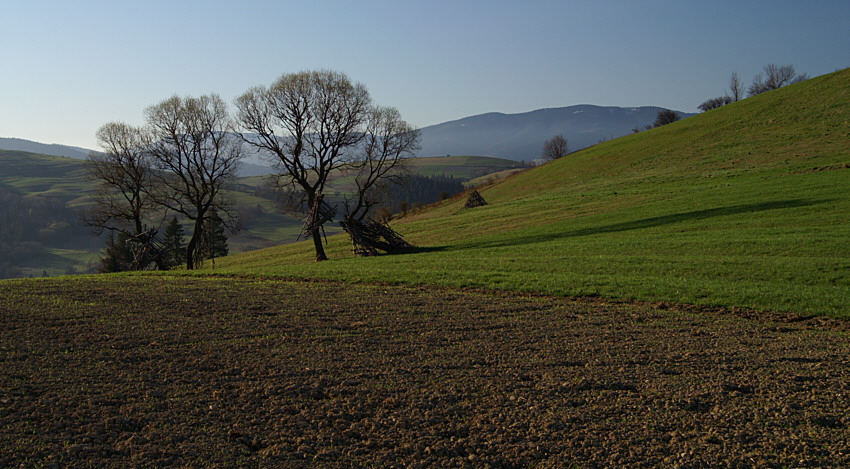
(320, 248)
(193, 243)
(190, 249)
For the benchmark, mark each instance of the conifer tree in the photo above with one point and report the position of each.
(175, 247)
(213, 240)
(118, 256)
(217, 240)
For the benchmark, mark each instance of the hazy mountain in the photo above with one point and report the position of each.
(18, 144)
(521, 136)
(251, 166)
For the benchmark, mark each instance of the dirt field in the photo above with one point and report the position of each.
(146, 372)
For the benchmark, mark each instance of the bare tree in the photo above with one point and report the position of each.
(665, 117)
(774, 77)
(800, 77)
(123, 173)
(555, 148)
(388, 141)
(195, 152)
(316, 124)
(715, 103)
(736, 86)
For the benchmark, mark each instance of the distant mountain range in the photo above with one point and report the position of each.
(252, 167)
(17, 144)
(516, 137)
(521, 136)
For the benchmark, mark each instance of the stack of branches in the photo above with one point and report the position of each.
(474, 200)
(320, 213)
(370, 236)
(148, 251)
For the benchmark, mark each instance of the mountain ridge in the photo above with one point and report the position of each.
(52, 149)
(520, 136)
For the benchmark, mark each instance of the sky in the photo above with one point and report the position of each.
(68, 67)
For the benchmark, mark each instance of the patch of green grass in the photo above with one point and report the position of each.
(743, 206)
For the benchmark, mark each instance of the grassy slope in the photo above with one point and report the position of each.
(42, 175)
(742, 206)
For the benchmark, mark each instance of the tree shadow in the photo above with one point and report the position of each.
(648, 222)
(419, 250)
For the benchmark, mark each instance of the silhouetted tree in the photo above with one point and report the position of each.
(315, 125)
(736, 86)
(775, 76)
(214, 242)
(715, 103)
(195, 150)
(555, 148)
(665, 117)
(387, 142)
(123, 175)
(118, 256)
(800, 77)
(174, 245)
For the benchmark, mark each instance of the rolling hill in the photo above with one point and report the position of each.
(61, 182)
(744, 206)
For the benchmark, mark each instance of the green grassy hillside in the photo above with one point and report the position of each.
(745, 206)
(42, 175)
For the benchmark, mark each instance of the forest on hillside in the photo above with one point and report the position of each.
(30, 226)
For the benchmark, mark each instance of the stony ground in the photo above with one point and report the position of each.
(228, 372)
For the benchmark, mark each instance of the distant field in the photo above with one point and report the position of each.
(743, 206)
(42, 175)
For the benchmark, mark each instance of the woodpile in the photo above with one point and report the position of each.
(370, 237)
(147, 250)
(474, 200)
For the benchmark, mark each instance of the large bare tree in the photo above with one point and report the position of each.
(313, 125)
(195, 151)
(775, 76)
(388, 141)
(124, 176)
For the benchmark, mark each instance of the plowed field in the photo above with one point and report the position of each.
(236, 372)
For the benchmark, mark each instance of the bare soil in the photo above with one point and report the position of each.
(233, 372)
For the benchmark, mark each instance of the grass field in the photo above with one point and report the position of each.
(743, 206)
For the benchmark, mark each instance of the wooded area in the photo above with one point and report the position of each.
(29, 224)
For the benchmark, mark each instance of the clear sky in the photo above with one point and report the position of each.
(68, 67)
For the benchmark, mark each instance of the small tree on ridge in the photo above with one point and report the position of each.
(555, 148)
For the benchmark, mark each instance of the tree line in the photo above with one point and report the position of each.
(312, 125)
(417, 190)
(27, 224)
(772, 77)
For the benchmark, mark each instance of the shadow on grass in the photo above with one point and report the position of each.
(420, 250)
(648, 222)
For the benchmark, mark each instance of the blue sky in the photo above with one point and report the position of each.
(68, 67)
